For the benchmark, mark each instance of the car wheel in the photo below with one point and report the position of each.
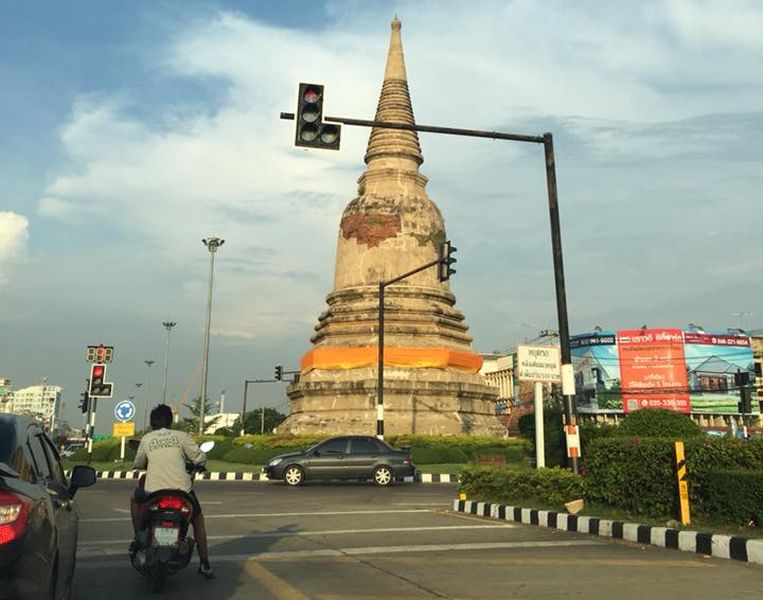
(293, 475)
(383, 476)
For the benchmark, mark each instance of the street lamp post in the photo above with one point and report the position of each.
(212, 244)
(168, 325)
(148, 390)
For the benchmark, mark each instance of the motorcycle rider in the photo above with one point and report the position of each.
(164, 452)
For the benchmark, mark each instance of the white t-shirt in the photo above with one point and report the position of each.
(163, 453)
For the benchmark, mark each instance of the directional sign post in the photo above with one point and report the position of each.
(124, 412)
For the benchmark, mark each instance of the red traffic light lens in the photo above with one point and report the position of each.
(97, 371)
(311, 95)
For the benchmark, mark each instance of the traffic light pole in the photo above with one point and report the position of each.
(380, 345)
(568, 380)
(243, 406)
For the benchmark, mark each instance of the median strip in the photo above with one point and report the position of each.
(251, 476)
(709, 544)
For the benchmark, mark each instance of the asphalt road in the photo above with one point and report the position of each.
(359, 542)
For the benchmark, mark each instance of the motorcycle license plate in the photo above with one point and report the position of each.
(166, 536)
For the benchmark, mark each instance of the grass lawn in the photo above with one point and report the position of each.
(454, 468)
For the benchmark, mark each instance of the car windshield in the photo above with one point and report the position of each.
(7, 441)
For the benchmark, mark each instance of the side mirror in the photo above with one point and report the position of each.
(133, 444)
(82, 476)
(207, 446)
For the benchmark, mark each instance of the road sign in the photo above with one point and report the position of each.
(124, 411)
(123, 429)
(539, 363)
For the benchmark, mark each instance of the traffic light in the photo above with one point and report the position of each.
(741, 378)
(745, 405)
(99, 388)
(84, 403)
(311, 131)
(444, 269)
(279, 373)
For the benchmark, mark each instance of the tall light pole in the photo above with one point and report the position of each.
(212, 244)
(148, 390)
(168, 325)
(138, 385)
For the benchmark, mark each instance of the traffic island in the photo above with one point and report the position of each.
(708, 544)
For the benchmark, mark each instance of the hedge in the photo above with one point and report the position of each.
(638, 474)
(735, 496)
(659, 422)
(551, 487)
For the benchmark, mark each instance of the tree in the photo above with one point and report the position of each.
(253, 421)
(191, 424)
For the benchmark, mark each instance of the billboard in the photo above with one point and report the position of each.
(653, 369)
(711, 363)
(660, 368)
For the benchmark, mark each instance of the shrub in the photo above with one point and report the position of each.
(658, 422)
(555, 449)
(639, 474)
(429, 449)
(734, 496)
(547, 486)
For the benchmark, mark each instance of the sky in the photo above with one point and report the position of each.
(131, 130)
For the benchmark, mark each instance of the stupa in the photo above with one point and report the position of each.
(431, 379)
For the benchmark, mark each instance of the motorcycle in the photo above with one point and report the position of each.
(162, 546)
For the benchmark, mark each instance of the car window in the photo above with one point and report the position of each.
(364, 446)
(338, 446)
(54, 461)
(40, 461)
(7, 442)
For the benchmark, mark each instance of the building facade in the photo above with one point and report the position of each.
(43, 402)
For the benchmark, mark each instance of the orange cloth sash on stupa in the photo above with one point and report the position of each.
(412, 358)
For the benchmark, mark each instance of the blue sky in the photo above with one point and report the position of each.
(131, 130)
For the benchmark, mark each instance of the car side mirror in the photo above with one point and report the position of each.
(133, 444)
(207, 446)
(82, 476)
(316, 452)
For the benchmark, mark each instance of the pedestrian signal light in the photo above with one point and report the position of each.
(311, 131)
(279, 373)
(444, 269)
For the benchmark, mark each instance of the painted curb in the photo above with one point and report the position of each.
(225, 476)
(710, 544)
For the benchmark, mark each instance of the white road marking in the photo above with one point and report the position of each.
(121, 510)
(291, 514)
(362, 551)
(279, 534)
(445, 503)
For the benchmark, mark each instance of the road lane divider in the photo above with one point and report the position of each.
(261, 477)
(708, 544)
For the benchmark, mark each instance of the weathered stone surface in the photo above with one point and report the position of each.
(392, 227)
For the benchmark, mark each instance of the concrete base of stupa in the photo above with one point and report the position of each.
(419, 401)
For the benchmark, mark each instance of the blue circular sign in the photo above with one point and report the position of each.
(124, 411)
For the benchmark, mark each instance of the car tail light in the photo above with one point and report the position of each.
(14, 511)
(171, 503)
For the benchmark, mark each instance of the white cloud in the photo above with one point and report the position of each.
(175, 174)
(13, 237)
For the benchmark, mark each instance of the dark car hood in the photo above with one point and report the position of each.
(287, 455)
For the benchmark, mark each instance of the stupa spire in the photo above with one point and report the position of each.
(393, 148)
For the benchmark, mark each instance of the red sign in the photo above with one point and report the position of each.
(653, 369)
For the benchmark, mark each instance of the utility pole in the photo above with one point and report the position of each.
(148, 391)
(168, 325)
(212, 244)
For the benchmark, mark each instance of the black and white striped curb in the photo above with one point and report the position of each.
(711, 544)
(225, 476)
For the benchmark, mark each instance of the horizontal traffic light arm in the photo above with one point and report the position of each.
(493, 135)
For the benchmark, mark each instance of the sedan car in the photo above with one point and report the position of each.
(348, 457)
(38, 517)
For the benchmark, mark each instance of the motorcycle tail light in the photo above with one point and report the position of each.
(171, 503)
(14, 511)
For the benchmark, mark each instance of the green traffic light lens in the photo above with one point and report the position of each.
(329, 134)
(308, 133)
